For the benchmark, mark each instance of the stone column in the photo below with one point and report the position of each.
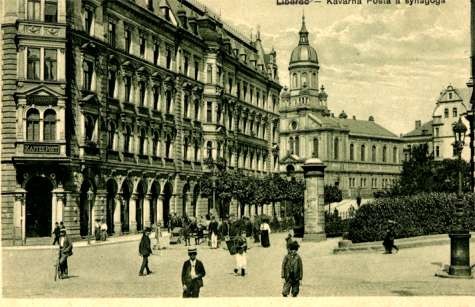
(19, 217)
(58, 206)
(71, 214)
(99, 210)
(117, 220)
(132, 216)
(160, 210)
(146, 210)
(314, 213)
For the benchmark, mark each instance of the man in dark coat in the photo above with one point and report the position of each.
(57, 233)
(145, 250)
(65, 250)
(292, 271)
(192, 275)
(389, 237)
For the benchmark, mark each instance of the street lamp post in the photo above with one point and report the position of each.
(90, 196)
(459, 235)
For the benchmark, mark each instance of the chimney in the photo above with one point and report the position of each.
(418, 124)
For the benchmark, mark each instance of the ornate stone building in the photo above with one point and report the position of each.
(111, 108)
(437, 133)
(361, 156)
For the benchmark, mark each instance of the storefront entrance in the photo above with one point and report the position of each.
(38, 207)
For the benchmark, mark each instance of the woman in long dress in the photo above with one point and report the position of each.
(265, 231)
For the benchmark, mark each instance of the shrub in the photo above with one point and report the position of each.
(417, 215)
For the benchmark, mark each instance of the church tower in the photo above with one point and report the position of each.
(304, 90)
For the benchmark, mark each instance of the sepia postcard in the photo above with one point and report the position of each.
(294, 152)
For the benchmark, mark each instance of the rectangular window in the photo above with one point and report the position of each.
(50, 64)
(51, 11)
(128, 39)
(156, 53)
(112, 34)
(142, 42)
(169, 59)
(185, 65)
(33, 66)
(209, 72)
(156, 95)
(87, 75)
(197, 70)
(209, 112)
(454, 112)
(150, 5)
(446, 113)
(88, 17)
(230, 85)
(127, 88)
(33, 10)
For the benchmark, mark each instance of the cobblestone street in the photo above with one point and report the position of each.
(112, 271)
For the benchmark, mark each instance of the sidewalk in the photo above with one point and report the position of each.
(93, 242)
(377, 246)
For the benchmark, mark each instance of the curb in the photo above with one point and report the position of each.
(81, 244)
(378, 245)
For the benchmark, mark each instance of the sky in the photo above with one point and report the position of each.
(388, 61)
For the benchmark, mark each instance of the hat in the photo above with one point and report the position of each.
(192, 250)
(147, 229)
(294, 245)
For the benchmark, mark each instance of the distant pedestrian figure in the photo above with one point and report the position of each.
(241, 255)
(213, 230)
(145, 251)
(288, 242)
(192, 275)
(56, 233)
(389, 237)
(265, 232)
(103, 230)
(292, 271)
(65, 250)
(256, 230)
(97, 230)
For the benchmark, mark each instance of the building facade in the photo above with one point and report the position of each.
(437, 133)
(113, 110)
(361, 157)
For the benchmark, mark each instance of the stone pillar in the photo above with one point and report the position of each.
(99, 210)
(117, 220)
(58, 206)
(146, 210)
(314, 213)
(132, 216)
(19, 217)
(160, 210)
(71, 214)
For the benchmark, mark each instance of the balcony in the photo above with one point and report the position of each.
(143, 159)
(143, 111)
(129, 157)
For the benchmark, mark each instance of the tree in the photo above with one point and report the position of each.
(331, 194)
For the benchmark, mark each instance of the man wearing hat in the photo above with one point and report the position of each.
(65, 250)
(292, 270)
(145, 250)
(192, 274)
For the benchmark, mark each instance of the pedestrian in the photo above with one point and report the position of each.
(65, 251)
(265, 232)
(241, 255)
(56, 233)
(256, 230)
(103, 230)
(389, 237)
(288, 241)
(145, 251)
(292, 271)
(213, 230)
(192, 274)
(186, 231)
(61, 225)
(158, 234)
(97, 230)
(199, 232)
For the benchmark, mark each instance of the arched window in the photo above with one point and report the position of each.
(142, 139)
(110, 136)
(186, 144)
(363, 152)
(294, 80)
(373, 153)
(33, 125)
(197, 150)
(394, 154)
(49, 125)
(384, 153)
(127, 137)
(168, 144)
(352, 152)
(112, 82)
(209, 148)
(336, 148)
(168, 101)
(156, 97)
(156, 140)
(304, 79)
(89, 126)
(297, 145)
(315, 148)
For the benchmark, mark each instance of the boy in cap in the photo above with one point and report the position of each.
(145, 250)
(192, 275)
(292, 270)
